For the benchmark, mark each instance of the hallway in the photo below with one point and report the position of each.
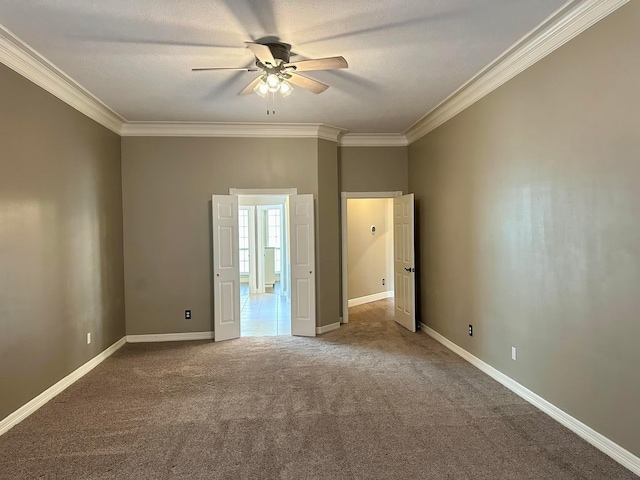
(264, 314)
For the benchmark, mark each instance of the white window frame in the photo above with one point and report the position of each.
(252, 247)
(280, 210)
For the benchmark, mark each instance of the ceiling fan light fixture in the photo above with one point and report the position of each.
(273, 82)
(285, 88)
(262, 88)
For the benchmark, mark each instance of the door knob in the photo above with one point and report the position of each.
(217, 274)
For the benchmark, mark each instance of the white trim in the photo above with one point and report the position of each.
(260, 250)
(345, 241)
(23, 59)
(327, 328)
(330, 133)
(253, 273)
(170, 337)
(371, 194)
(602, 443)
(263, 191)
(353, 302)
(563, 25)
(23, 412)
(233, 130)
(373, 140)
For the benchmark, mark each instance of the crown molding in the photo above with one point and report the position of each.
(244, 130)
(563, 25)
(330, 133)
(373, 140)
(20, 57)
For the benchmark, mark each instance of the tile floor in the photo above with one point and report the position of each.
(264, 314)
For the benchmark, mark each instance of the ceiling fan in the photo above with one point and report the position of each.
(277, 73)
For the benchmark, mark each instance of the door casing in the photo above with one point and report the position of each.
(345, 241)
(285, 247)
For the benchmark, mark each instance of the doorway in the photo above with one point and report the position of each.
(368, 251)
(395, 278)
(298, 253)
(265, 296)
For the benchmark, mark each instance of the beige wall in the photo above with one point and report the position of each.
(369, 253)
(61, 264)
(167, 188)
(529, 219)
(373, 169)
(328, 235)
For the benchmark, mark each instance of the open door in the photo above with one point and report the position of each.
(226, 267)
(302, 263)
(404, 286)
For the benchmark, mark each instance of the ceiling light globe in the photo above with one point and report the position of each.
(273, 82)
(261, 89)
(285, 88)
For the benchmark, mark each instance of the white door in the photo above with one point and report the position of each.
(302, 263)
(226, 267)
(404, 285)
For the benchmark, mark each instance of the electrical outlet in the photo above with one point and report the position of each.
(88, 338)
(187, 314)
(513, 353)
(383, 282)
(471, 330)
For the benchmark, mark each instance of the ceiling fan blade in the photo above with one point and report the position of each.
(249, 88)
(224, 68)
(262, 53)
(331, 63)
(307, 83)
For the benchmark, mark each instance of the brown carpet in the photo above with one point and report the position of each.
(370, 400)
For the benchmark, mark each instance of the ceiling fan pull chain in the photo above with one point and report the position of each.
(271, 100)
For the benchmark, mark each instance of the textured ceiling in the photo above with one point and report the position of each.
(405, 56)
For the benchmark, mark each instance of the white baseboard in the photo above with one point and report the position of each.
(327, 328)
(370, 298)
(33, 405)
(602, 443)
(169, 337)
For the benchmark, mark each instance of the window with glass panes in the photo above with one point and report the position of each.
(274, 231)
(243, 236)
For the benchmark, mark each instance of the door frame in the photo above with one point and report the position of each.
(263, 191)
(260, 209)
(344, 196)
(261, 226)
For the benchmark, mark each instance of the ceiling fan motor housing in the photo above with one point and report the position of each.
(280, 51)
